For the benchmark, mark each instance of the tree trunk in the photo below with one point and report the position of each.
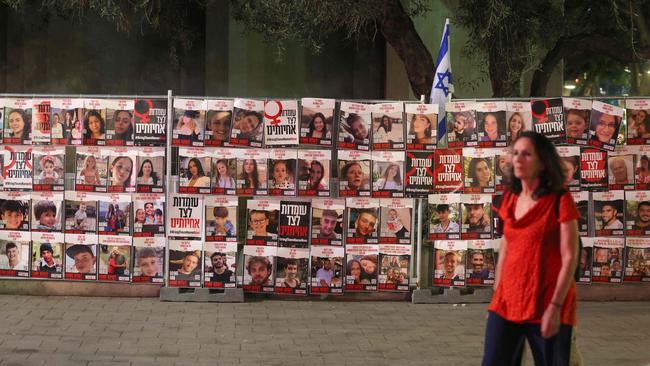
(505, 74)
(399, 31)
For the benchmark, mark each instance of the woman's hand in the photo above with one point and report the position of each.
(550, 321)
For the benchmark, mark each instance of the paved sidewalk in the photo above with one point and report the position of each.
(110, 331)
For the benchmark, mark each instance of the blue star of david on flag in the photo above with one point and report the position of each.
(442, 84)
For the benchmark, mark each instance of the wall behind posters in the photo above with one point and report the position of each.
(68, 57)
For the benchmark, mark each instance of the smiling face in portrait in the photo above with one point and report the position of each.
(280, 172)
(249, 166)
(490, 126)
(189, 263)
(483, 173)
(319, 124)
(12, 219)
(248, 124)
(220, 124)
(147, 169)
(94, 125)
(222, 169)
(194, 170)
(516, 124)
(355, 270)
(16, 123)
(149, 266)
(315, 173)
(122, 122)
(605, 128)
(121, 170)
(575, 125)
(365, 224)
(421, 124)
(359, 129)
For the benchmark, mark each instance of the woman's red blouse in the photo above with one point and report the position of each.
(532, 263)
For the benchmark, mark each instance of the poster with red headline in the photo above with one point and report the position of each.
(642, 171)
(119, 122)
(151, 168)
(327, 221)
(94, 122)
(548, 119)
(387, 126)
(218, 122)
(448, 168)
(503, 172)
(621, 168)
(388, 174)
(593, 169)
(17, 168)
(263, 221)
(608, 260)
(49, 168)
(478, 170)
(282, 172)
(224, 171)
(194, 170)
(149, 259)
(314, 173)
(605, 123)
(115, 214)
(150, 120)
(461, 124)
(576, 115)
(476, 210)
(570, 157)
(14, 210)
(422, 126)
(81, 214)
(184, 263)
(481, 262)
(317, 121)
(121, 170)
(362, 267)
(444, 216)
(92, 169)
(41, 122)
(449, 263)
(519, 119)
(394, 268)
(220, 218)
(637, 260)
(355, 169)
(47, 211)
(149, 215)
(186, 216)
(638, 121)
(293, 227)
(491, 119)
(582, 203)
(189, 121)
(292, 271)
(609, 213)
(327, 270)
(18, 121)
(252, 167)
(259, 268)
(395, 214)
(363, 220)
(66, 118)
(585, 262)
(419, 173)
(281, 123)
(15, 254)
(354, 126)
(248, 123)
(220, 264)
(47, 256)
(115, 258)
(81, 258)
(637, 219)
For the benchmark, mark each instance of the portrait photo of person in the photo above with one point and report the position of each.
(258, 270)
(121, 175)
(47, 215)
(422, 128)
(218, 268)
(362, 269)
(58, 130)
(387, 130)
(115, 260)
(45, 258)
(313, 175)
(481, 266)
(353, 271)
(462, 127)
(150, 171)
(327, 223)
(479, 173)
(395, 222)
(394, 269)
(515, 126)
(114, 218)
(195, 172)
(221, 221)
(638, 124)
(292, 272)
(621, 170)
(607, 216)
(224, 173)
(585, 262)
(319, 126)
(80, 216)
(492, 126)
(445, 218)
(92, 169)
(248, 125)
(643, 170)
(503, 169)
(390, 177)
(326, 271)
(262, 223)
(48, 169)
(604, 128)
(14, 255)
(363, 223)
(354, 175)
(14, 215)
(148, 261)
(642, 221)
(577, 123)
(81, 258)
(17, 126)
(218, 126)
(571, 168)
(122, 125)
(252, 173)
(355, 129)
(451, 265)
(317, 121)
(187, 268)
(476, 218)
(282, 174)
(94, 127)
(189, 126)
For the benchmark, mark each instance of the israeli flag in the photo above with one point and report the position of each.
(442, 86)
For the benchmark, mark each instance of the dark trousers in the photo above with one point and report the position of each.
(504, 342)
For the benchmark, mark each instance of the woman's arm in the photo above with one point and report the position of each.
(569, 253)
(502, 258)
